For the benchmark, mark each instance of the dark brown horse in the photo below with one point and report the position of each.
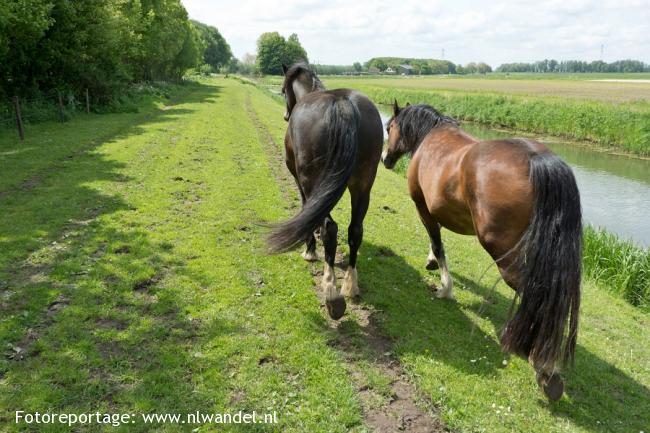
(333, 142)
(522, 202)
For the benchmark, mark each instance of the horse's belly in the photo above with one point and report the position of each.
(458, 219)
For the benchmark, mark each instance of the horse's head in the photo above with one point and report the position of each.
(395, 147)
(299, 80)
(408, 127)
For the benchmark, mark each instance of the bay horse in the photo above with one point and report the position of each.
(523, 204)
(333, 141)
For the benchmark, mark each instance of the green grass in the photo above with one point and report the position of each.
(619, 265)
(132, 279)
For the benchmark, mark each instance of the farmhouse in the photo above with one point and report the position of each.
(405, 69)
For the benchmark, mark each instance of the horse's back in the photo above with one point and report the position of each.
(309, 131)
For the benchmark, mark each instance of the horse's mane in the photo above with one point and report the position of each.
(415, 122)
(298, 68)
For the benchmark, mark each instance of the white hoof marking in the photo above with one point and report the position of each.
(350, 283)
(329, 283)
(446, 281)
(310, 256)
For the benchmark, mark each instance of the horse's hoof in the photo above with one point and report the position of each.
(445, 294)
(552, 386)
(310, 256)
(432, 265)
(336, 307)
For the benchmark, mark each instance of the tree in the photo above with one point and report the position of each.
(270, 53)
(471, 68)
(216, 51)
(357, 66)
(483, 68)
(161, 30)
(293, 51)
(190, 53)
(273, 51)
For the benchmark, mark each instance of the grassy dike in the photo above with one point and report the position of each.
(623, 126)
(451, 349)
(132, 280)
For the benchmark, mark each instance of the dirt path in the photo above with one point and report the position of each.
(397, 408)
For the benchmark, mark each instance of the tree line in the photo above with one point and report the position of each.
(100, 45)
(548, 66)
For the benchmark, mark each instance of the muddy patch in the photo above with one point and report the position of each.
(146, 284)
(396, 408)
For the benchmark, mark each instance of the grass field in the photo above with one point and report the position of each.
(564, 86)
(132, 280)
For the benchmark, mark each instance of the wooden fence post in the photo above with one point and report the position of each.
(87, 102)
(61, 107)
(19, 119)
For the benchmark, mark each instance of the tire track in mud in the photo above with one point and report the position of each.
(399, 408)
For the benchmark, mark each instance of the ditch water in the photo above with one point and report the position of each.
(614, 190)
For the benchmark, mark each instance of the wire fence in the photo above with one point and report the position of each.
(17, 112)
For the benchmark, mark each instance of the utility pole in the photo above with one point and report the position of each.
(443, 54)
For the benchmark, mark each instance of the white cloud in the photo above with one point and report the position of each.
(342, 32)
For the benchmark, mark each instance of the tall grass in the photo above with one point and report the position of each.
(625, 126)
(618, 265)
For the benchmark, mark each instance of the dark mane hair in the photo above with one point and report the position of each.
(415, 122)
(298, 68)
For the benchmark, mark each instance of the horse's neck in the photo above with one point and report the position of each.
(301, 89)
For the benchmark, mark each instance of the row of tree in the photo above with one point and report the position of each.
(100, 45)
(419, 66)
(547, 66)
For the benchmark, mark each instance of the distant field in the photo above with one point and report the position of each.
(564, 85)
(575, 86)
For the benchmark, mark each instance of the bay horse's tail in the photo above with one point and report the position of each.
(342, 119)
(549, 266)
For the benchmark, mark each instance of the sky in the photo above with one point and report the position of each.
(496, 31)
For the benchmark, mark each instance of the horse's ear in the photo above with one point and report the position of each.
(285, 68)
(396, 108)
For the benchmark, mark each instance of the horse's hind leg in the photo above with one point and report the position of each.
(436, 252)
(360, 202)
(333, 300)
(310, 253)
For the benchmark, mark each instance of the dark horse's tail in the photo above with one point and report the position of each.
(342, 120)
(549, 265)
